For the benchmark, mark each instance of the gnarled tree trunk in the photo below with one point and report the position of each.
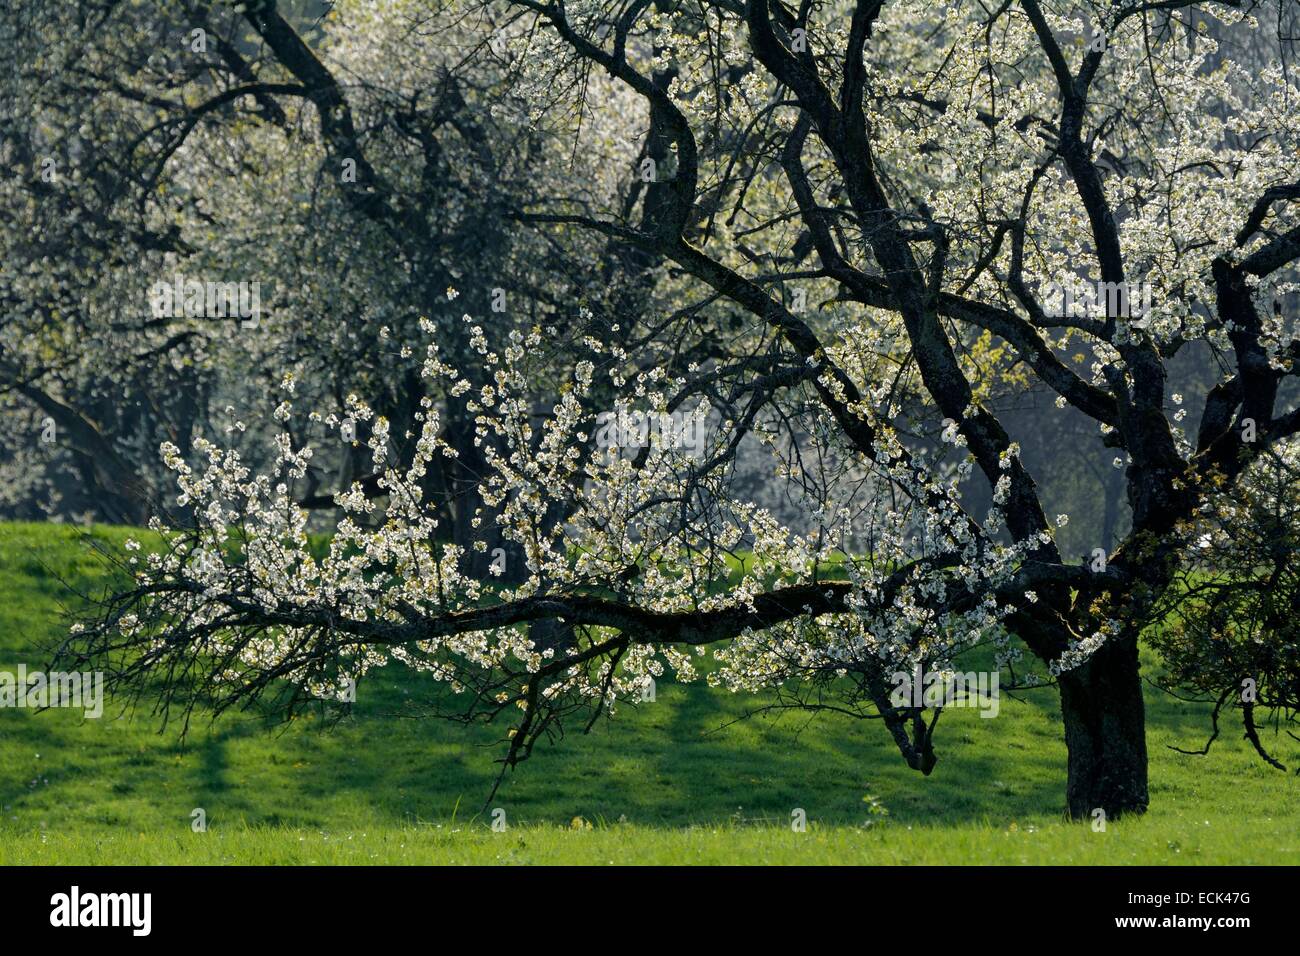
(1105, 733)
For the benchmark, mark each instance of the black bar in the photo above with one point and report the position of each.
(332, 905)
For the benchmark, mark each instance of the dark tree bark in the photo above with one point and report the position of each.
(1105, 733)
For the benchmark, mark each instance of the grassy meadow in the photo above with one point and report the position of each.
(676, 780)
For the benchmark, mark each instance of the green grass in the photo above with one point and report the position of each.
(673, 781)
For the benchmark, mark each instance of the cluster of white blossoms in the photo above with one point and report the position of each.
(659, 534)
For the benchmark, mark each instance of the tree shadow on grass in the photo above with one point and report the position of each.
(686, 759)
(844, 771)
